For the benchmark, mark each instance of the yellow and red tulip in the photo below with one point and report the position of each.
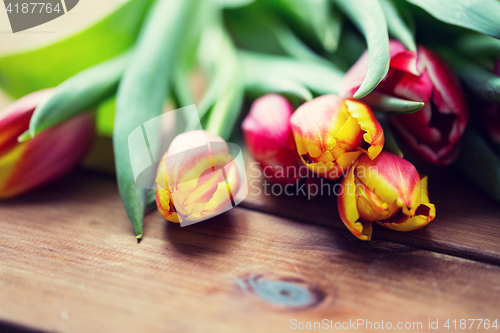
(269, 138)
(196, 182)
(387, 190)
(331, 133)
(434, 131)
(48, 156)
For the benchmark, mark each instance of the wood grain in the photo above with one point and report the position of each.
(467, 222)
(70, 263)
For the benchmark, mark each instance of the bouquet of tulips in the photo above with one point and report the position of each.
(366, 78)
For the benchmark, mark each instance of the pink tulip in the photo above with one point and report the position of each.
(433, 132)
(48, 156)
(268, 136)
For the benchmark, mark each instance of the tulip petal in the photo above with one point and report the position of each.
(447, 94)
(190, 154)
(166, 206)
(331, 133)
(14, 120)
(267, 126)
(374, 135)
(370, 207)
(50, 155)
(268, 137)
(404, 60)
(392, 179)
(424, 214)
(316, 122)
(8, 163)
(348, 210)
(222, 198)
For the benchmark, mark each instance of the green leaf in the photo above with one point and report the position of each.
(226, 111)
(315, 18)
(186, 60)
(225, 92)
(151, 200)
(397, 26)
(479, 15)
(79, 93)
(482, 82)
(231, 3)
(219, 60)
(369, 17)
(351, 47)
(257, 86)
(479, 163)
(388, 104)
(267, 74)
(105, 117)
(479, 46)
(47, 67)
(292, 45)
(141, 93)
(270, 35)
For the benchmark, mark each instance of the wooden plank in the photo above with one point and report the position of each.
(467, 223)
(70, 263)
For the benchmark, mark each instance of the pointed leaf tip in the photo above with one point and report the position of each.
(369, 17)
(388, 104)
(24, 137)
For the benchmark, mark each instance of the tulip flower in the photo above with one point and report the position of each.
(196, 182)
(386, 190)
(331, 133)
(433, 132)
(48, 156)
(268, 136)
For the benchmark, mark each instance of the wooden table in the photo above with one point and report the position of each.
(70, 263)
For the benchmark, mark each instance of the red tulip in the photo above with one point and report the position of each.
(48, 156)
(434, 131)
(269, 138)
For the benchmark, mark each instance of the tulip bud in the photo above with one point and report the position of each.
(268, 136)
(48, 156)
(196, 182)
(434, 131)
(386, 190)
(331, 133)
